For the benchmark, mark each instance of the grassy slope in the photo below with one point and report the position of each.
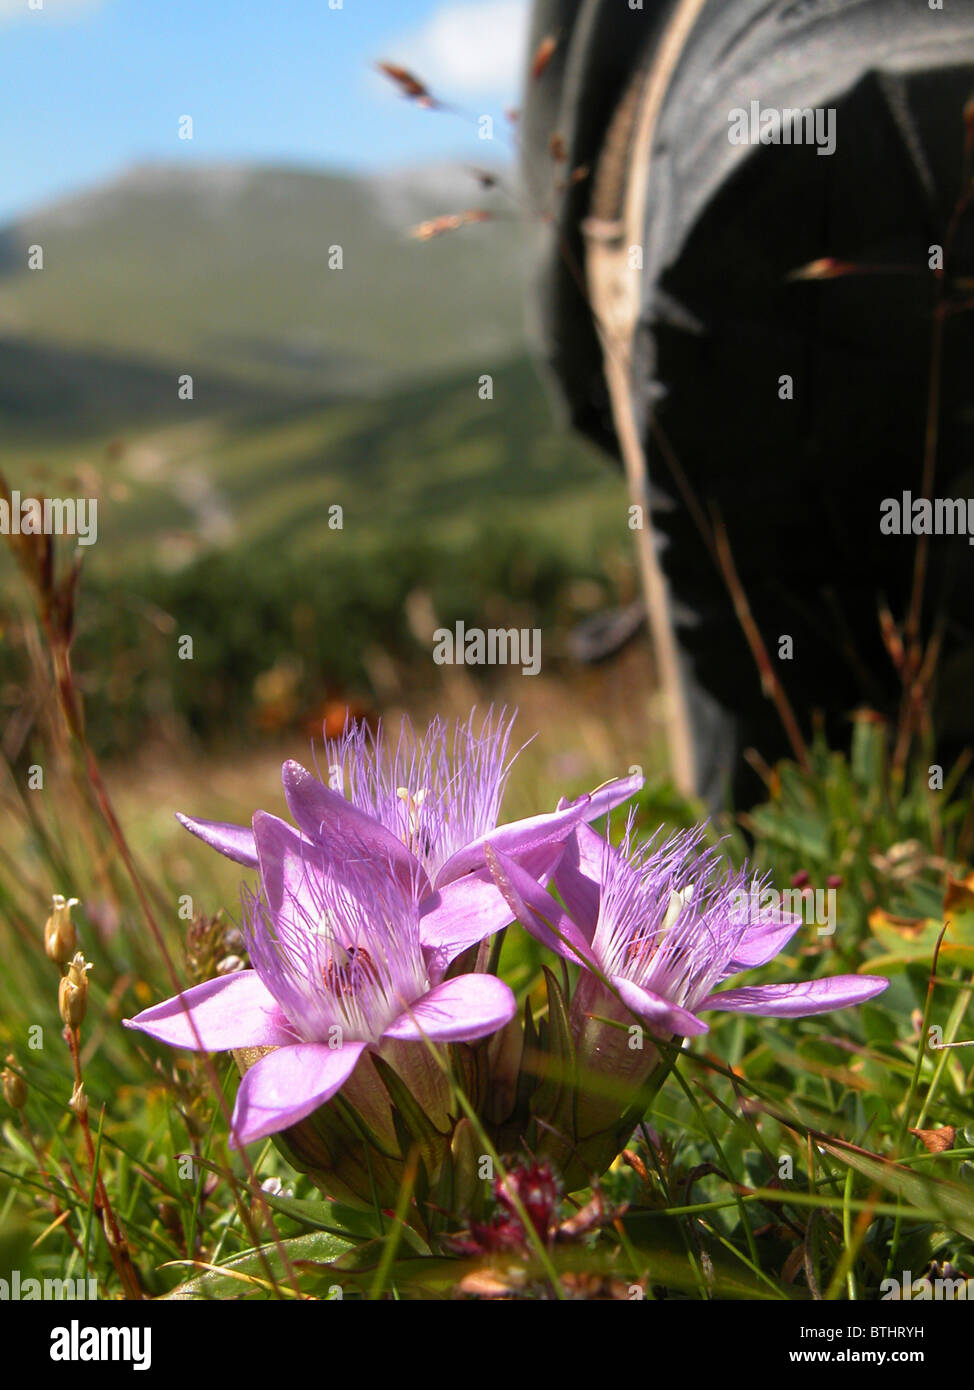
(425, 462)
(227, 271)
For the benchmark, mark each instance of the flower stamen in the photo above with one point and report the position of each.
(344, 977)
(414, 801)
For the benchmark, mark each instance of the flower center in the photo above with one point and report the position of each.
(641, 952)
(344, 976)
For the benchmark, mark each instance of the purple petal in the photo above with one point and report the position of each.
(460, 1010)
(537, 910)
(762, 942)
(660, 1013)
(606, 798)
(235, 841)
(287, 1085)
(233, 1011)
(344, 831)
(579, 876)
(796, 1000)
(516, 840)
(287, 859)
(459, 915)
(466, 911)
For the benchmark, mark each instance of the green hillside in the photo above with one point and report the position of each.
(226, 271)
(50, 392)
(430, 462)
(219, 528)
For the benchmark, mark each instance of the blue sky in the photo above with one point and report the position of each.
(92, 86)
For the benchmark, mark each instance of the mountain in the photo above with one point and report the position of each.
(223, 272)
(312, 386)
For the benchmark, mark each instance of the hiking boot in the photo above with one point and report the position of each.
(750, 281)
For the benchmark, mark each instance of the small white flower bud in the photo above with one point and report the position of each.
(60, 937)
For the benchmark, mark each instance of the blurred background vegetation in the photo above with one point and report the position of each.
(313, 387)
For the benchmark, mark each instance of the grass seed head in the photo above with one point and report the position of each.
(60, 936)
(14, 1086)
(73, 992)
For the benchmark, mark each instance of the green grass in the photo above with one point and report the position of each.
(765, 1169)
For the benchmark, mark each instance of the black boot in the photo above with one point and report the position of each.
(795, 402)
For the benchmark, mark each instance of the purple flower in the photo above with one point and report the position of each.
(340, 968)
(660, 926)
(655, 929)
(437, 794)
(427, 805)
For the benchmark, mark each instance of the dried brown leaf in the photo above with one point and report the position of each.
(589, 1216)
(959, 895)
(936, 1141)
(632, 1159)
(828, 268)
(407, 82)
(542, 56)
(449, 222)
(489, 1283)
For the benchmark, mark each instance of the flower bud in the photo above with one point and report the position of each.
(73, 992)
(616, 1058)
(469, 1189)
(233, 940)
(350, 1147)
(78, 1103)
(60, 937)
(14, 1086)
(504, 1053)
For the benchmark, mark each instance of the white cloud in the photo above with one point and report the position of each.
(471, 46)
(11, 10)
